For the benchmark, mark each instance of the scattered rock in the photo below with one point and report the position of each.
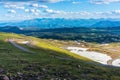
(12, 77)
(78, 66)
(1, 70)
(43, 69)
(19, 74)
(6, 78)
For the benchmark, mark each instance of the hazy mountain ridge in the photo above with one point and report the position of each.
(107, 24)
(61, 23)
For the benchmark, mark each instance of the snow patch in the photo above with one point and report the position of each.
(95, 56)
(77, 49)
(24, 42)
(116, 62)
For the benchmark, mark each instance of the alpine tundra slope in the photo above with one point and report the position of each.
(29, 58)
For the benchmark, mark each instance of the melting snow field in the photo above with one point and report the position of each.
(95, 56)
(116, 62)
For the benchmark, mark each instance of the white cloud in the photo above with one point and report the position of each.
(85, 13)
(108, 13)
(82, 14)
(13, 6)
(36, 13)
(27, 10)
(45, 1)
(116, 12)
(33, 11)
(50, 11)
(20, 7)
(74, 2)
(50, 1)
(104, 1)
(64, 14)
(36, 5)
(11, 11)
(43, 6)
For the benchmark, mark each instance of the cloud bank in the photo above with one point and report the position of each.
(46, 1)
(104, 1)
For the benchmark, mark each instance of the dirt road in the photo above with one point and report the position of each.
(19, 47)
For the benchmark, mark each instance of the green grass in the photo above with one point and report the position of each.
(50, 62)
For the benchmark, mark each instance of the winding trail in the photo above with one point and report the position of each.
(19, 47)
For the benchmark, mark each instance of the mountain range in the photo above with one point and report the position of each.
(61, 23)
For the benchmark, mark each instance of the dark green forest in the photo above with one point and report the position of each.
(98, 35)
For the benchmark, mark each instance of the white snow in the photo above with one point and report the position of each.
(104, 44)
(24, 42)
(77, 49)
(116, 62)
(95, 56)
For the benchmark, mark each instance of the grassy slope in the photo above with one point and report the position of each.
(48, 61)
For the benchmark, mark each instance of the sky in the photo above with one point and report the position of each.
(13, 10)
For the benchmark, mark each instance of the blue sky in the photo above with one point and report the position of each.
(28, 9)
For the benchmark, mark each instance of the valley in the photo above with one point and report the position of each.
(97, 35)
